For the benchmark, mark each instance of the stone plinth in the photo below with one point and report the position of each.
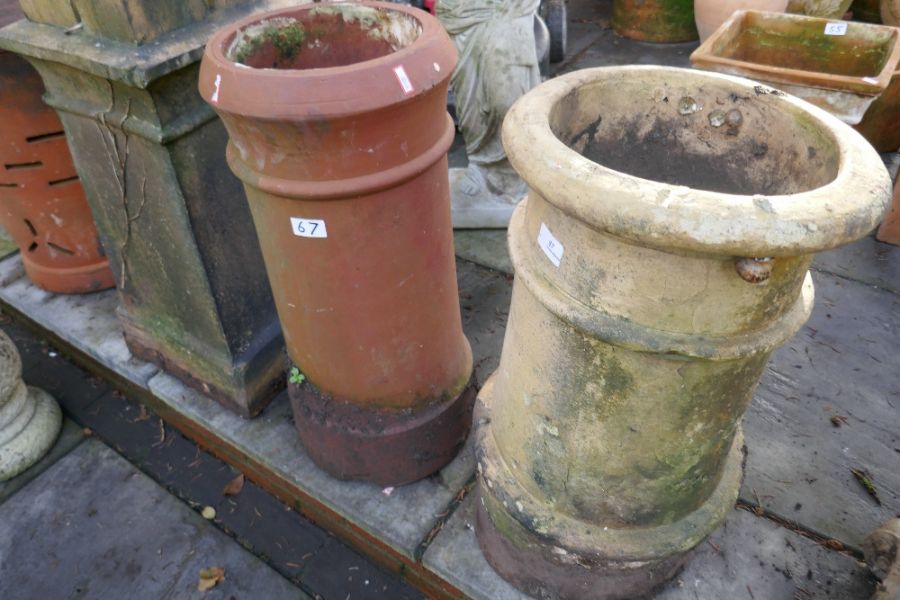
(173, 219)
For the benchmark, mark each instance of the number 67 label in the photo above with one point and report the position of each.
(311, 228)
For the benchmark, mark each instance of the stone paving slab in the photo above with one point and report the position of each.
(486, 247)
(402, 518)
(843, 364)
(868, 260)
(93, 527)
(86, 321)
(749, 557)
(69, 437)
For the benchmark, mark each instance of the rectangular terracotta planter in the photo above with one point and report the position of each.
(839, 66)
(174, 220)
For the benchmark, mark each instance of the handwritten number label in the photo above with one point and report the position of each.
(836, 29)
(551, 246)
(310, 228)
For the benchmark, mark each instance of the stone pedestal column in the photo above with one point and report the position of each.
(30, 419)
(149, 151)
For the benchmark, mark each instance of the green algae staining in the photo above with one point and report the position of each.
(286, 36)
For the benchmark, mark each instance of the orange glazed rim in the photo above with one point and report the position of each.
(331, 91)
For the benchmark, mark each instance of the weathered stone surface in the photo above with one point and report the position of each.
(70, 436)
(87, 322)
(92, 526)
(30, 418)
(485, 247)
(51, 12)
(868, 261)
(842, 365)
(498, 64)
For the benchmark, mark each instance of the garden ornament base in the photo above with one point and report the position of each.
(173, 219)
(42, 203)
(30, 419)
(350, 198)
(661, 256)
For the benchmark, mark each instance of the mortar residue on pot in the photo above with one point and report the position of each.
(322, 37)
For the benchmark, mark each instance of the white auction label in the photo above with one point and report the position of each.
(551, 246)
(403, 78)
(836, 28)
(311, 228)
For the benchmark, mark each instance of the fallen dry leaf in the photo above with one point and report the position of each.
(210, 578)
(143, 415)
(234, 486)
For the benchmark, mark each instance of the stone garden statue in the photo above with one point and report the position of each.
(30, 419)
(497, 64)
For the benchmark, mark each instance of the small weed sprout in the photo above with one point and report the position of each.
(296, 376)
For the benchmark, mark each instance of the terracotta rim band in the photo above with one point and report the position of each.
(342, 188)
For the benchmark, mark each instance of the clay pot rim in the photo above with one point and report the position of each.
(292, 93)
(860, 85)
(839, 212)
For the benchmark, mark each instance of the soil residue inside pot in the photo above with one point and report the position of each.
(323, 37)
(658, 154)
(708, 139)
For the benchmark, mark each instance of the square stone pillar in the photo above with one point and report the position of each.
(151, 154)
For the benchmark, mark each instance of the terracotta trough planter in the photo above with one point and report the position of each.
(839, 66)
(42, 203)
(349, 194)
(655, 20)
(660, 257)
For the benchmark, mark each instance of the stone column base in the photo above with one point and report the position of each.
(31, 424)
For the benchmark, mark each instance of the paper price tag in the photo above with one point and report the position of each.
(551, 246)
(403, 78)
(836, 28)
(311, 228)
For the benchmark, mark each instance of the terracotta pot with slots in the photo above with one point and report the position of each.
(42, 203)
(338, 129)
